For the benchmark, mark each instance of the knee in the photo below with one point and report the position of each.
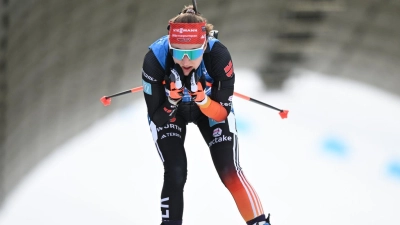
(229, 177)
(176, 175)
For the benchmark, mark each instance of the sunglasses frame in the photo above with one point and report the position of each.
(186, 51)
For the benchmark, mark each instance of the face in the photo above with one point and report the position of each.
(186, 63)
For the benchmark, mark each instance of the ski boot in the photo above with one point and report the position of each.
(264, 221)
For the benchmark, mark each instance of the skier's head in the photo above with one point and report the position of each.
(188, 33)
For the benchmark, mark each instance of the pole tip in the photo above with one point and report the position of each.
(106, 101)
(284, 114)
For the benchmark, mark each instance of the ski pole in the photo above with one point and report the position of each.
(282, 113)
(106, 100)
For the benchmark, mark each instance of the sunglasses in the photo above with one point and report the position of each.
(192, 54)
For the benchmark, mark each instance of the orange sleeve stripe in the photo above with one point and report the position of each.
(214, 110)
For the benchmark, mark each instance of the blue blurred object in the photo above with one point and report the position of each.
(394, 169)
(335, 145)
(243, 125)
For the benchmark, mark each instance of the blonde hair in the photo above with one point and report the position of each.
(188, 15)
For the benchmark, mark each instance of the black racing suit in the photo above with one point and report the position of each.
(169, 130)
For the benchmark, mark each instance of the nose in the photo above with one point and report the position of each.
(185, 61)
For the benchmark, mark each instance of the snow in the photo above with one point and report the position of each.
(334, 161)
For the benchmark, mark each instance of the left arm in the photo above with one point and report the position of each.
(219, 104)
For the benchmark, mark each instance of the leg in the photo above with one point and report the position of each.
(169, 140)
(223, 143)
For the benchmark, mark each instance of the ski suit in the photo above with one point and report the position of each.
(168, 127)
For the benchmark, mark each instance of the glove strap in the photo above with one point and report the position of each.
(174, 102)
(205, 103)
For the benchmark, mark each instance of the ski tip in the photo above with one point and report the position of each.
(106, 101)
(284, 114)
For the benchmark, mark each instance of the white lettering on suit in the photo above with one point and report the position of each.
(165, 206)
(219, 139)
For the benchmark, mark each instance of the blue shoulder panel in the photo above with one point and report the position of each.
(160, 49)
(211, 42)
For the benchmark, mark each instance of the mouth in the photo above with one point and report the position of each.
(187, 69)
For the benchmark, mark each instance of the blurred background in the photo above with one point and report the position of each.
(67, 159)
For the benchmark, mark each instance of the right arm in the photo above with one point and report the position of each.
(159, 109)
